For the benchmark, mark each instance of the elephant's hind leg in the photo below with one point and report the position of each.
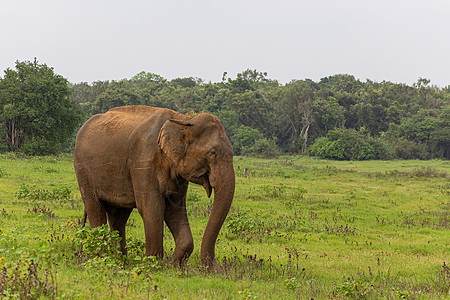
(95, 210)
(117, 219)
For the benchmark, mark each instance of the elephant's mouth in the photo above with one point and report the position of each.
(207, 185)
(203, 180)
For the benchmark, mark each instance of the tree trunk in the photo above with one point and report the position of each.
(14, 134)
(304, 134)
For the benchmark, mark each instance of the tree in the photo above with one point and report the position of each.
(85, 95)
(296, 114)
(328, 114)
(429, 131)
(114, 97)
(253, 110)
(35, 109)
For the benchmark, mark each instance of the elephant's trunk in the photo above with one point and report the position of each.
(223, 182)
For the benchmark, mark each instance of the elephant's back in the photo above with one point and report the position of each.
(123, 120)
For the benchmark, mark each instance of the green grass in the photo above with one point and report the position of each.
(298, 228)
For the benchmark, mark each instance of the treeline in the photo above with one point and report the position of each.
(338, 117)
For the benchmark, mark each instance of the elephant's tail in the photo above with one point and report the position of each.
(83, 221)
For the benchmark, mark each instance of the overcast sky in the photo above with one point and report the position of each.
(393, 40)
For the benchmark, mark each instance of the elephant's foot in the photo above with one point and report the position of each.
(182, 252)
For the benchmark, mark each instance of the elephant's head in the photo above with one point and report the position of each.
(200, 150)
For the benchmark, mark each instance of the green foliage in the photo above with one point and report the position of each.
(33, 193)
(3, 173)
(36, 110)
(262, 118)
(349, 144)
(264, 148)
(100, 244)
(353, 289)
(241, 223)
(250, 142)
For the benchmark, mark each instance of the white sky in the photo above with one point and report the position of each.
(394, 40)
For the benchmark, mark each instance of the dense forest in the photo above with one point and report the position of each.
(338, 117)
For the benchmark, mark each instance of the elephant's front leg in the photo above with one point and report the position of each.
(177, 221)
(151, 208)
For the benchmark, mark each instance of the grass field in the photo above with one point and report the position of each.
(298, 228)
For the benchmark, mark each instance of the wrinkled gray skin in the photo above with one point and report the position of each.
(144, 157)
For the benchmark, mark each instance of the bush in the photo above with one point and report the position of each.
(100, 242)
(262, 148)
(349, 144)
(32, 193)
(406, 149)
(245, 137)
(251, 142)
(240, 222)
(39, 146)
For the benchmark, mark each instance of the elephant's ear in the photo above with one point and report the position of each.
(172, 139)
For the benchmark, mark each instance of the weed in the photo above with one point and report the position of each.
(241, 223)
(435, 219)
(339, 229)
(422, 172)
(49, 169)
(21, 279)
(247, 294)
(199, 209)
(32, 193)
(292, 283)
(442, 281)
(135, 247)
(194, 197)
(144, 265)
(4, 213)
(427, 172)
(42, 211)
(3, 173)
(12, 244)
(354, 289)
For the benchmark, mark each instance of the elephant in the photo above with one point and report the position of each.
(144, 157)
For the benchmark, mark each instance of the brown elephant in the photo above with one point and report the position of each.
(144, 157)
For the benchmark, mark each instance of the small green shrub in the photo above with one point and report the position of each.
(144, 265)
(406, 149)
(240, 222)
(247, 294)
(349, 144)
(100, 242)
(62, 194)
(39, 146)
(292, 283)
(3, 173)
(48, 169)
(354, 289)
(194, 197)
(263, 147)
